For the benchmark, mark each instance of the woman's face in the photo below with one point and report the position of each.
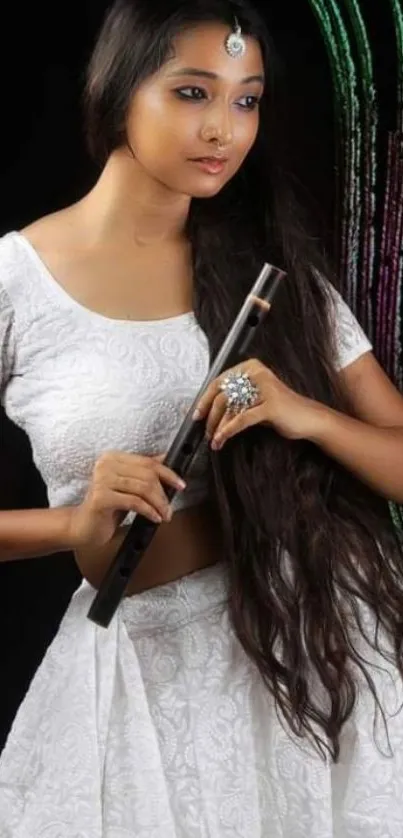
(201, 104)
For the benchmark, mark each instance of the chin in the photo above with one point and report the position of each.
(206, 189)
(205, 193)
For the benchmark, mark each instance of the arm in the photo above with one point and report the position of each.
(29, 533)
(33, 532)
(369, 444)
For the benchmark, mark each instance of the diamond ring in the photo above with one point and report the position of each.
(239, 391)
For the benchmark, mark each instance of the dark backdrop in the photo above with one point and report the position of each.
(43, 167)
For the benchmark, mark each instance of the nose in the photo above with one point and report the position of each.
(218, 127)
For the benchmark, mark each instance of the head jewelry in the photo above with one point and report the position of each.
(235, 43)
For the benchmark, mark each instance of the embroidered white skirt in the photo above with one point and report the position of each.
(160, 727)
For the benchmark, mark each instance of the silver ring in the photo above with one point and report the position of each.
(240, 392)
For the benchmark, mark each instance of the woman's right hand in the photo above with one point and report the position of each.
(121, 483)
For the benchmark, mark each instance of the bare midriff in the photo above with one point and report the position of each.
(190, 542)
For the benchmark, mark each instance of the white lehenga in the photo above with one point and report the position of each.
(160, 727)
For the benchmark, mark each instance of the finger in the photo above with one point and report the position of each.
(129, 503)
(205, 402)
(151, 492)
(125, 466)
(217, 411)
(229, 429)
(225, 420)
(128, 459)
(168, 476)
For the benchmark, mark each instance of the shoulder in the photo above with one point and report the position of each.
(11, 264)
(7, 308)
(351, 342)
(48, 230)
(13, 246)
(18, 267)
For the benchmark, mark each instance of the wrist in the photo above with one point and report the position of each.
(70, 532)
(324, 418)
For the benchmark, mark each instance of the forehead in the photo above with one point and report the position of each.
(203, 46)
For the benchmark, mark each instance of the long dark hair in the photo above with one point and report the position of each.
(308, 547)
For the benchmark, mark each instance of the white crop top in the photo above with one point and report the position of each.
(80, 383)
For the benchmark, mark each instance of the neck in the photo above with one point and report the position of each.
(126, 203)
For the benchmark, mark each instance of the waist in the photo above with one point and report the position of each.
(175, 604)
(190, 542)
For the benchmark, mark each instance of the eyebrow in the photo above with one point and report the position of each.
(193, 71)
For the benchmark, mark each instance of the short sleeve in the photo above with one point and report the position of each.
(351, 340)
(6, 339)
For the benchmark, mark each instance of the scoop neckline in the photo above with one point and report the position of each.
(185, 317)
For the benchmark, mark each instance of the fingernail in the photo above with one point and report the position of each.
(196, 415)
(169, 514)
(181, 485)
(215, 444)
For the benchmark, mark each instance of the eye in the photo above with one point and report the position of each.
(249, 103)
(195, 94)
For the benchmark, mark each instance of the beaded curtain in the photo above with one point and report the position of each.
(369, 177)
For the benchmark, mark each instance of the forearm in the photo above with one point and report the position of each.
(28, 533)
(374, 455)
(94, 562)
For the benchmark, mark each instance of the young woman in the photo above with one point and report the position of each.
(250, 683)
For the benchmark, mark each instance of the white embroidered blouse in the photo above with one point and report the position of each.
(80, 383)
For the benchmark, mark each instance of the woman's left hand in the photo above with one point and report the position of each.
(290, 414)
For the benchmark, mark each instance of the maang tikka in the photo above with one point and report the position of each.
(235, 43)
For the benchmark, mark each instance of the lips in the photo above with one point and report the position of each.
(210, 159)
(211, 165)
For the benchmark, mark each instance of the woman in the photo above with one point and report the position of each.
(250, 683)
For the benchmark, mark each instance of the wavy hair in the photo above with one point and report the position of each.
(309, 548)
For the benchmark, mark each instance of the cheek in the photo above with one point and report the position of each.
(244, 141)
(246, 134)
(156, 128)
